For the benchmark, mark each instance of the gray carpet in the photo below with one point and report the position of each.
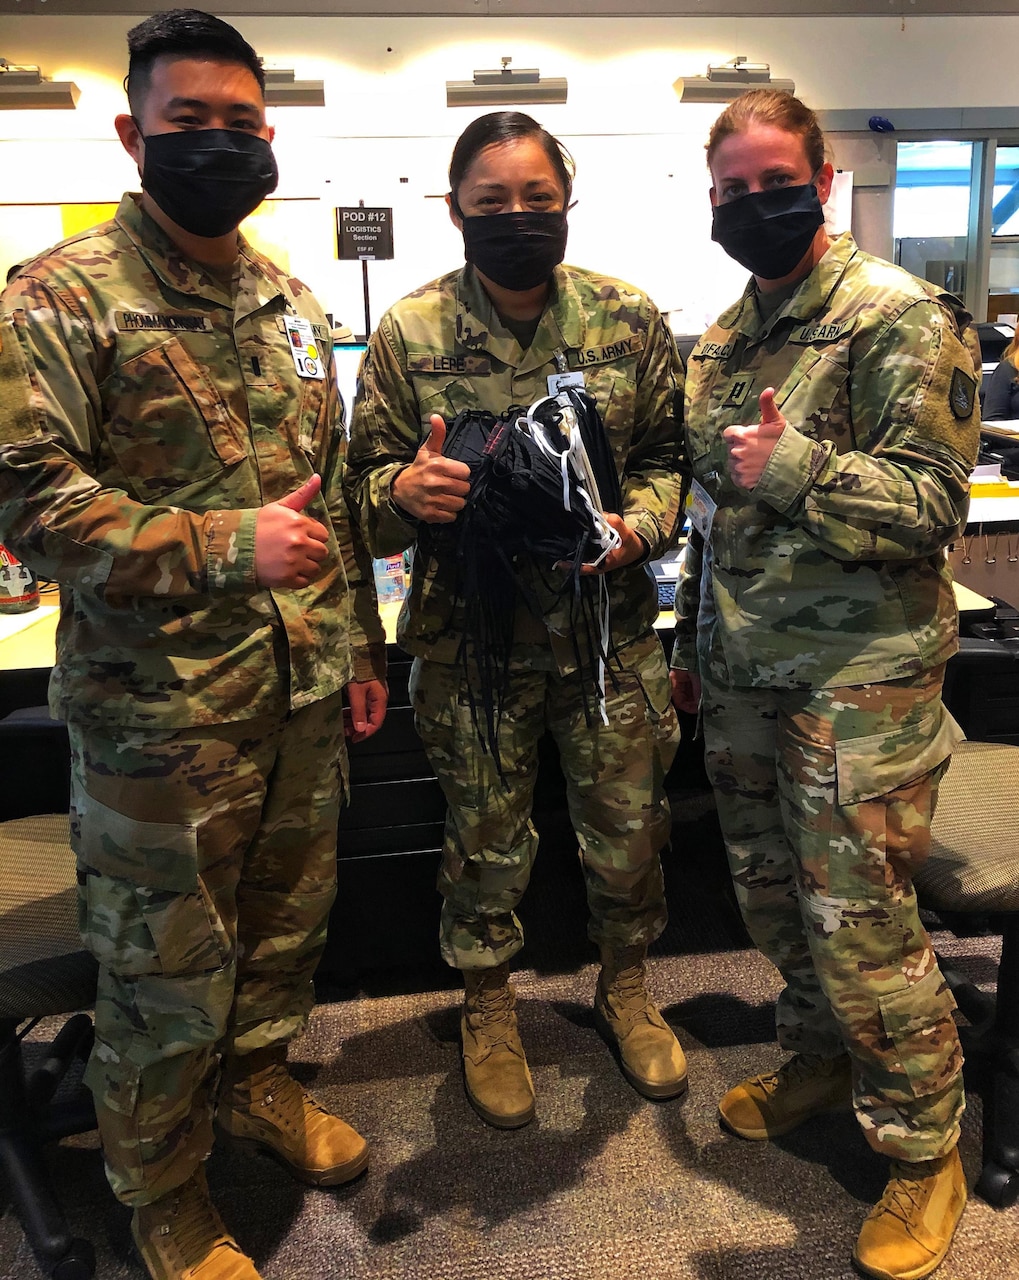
(603, 1186)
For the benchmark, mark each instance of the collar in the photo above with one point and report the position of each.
(811, 298)
(478, 328)
(258, 282)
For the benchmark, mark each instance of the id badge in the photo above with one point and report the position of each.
(701, 508)
(557, 381)
(308, 360)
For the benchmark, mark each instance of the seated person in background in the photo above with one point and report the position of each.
(1001, 399)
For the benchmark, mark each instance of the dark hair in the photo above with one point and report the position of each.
(774, 107)
(183, 33)
(506, 126)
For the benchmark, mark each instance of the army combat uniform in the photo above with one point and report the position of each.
(443, 349)
(149, 410)
(819, 610)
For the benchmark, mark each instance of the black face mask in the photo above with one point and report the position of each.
(768, 232)
(208, 180)
(516, 251)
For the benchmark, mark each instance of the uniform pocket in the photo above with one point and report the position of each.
(876, 765)
(918, 1022)
(145, 909)
(169, 424)
(884, 791)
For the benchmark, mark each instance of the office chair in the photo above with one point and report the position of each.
(43, 971)
(973, 870)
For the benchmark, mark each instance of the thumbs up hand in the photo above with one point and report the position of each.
(433, 488)
(290, 546)
(750, 448)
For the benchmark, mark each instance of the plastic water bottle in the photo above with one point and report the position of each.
(19, 590)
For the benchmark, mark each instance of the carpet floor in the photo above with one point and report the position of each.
(602, 1186)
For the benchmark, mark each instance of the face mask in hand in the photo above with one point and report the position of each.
(516, 251)
(208, 180)
(768, 232)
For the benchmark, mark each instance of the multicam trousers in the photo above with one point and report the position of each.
(825, 798)
(206, 870)
(615, 791)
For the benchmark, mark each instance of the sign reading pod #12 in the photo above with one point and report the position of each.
(364, 235)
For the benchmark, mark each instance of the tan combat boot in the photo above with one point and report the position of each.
(182, 1237)
(648, 1051)
(775, 1103)
(909, 1231)
(262, 1106)
(498, 1083)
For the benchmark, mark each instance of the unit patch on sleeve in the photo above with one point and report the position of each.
(962, 394)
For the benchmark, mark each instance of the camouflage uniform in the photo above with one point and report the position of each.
(820, 613)
(443, 349)
(149, 409)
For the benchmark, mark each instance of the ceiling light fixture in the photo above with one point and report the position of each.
(282, 90)
(505, 87)
(24, 88)
(728, 81)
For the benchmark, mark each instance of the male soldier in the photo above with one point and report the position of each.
(168, 422)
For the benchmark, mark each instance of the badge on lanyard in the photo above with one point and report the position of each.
(308, 360)
(563, 377)
(556, 381)
(700, 509)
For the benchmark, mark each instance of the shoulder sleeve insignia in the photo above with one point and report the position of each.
(962, 394)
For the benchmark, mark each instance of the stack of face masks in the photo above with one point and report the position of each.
(540, 483)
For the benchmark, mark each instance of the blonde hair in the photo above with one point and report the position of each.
(769, 106)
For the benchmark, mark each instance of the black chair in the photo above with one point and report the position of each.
(43, 972)
(973, 872)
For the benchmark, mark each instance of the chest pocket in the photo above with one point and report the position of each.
(815, 400)
(169, 426)
(312, 427)
(613, 387)
(447, 395)
(706, 387)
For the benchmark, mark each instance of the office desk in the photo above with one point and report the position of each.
(27, 639)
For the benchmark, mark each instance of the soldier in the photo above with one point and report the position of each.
(171, 441)
(832, 424)
(500, 332)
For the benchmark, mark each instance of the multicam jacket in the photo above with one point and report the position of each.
(831, 571)
(442, 349)
(147, 411)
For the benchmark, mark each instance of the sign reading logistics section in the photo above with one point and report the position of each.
(364, 235)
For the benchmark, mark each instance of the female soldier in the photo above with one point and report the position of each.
(1001, 402)
(831, 426)
(497, 333)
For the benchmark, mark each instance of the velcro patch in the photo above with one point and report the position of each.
(181, 322)
(714, 351)
(738, 392)
(631, 346)
(962, 394)
(449, 364)
(811, 333)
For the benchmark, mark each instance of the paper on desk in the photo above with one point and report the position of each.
(12, 623)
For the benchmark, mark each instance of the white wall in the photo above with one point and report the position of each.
(641, 185)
